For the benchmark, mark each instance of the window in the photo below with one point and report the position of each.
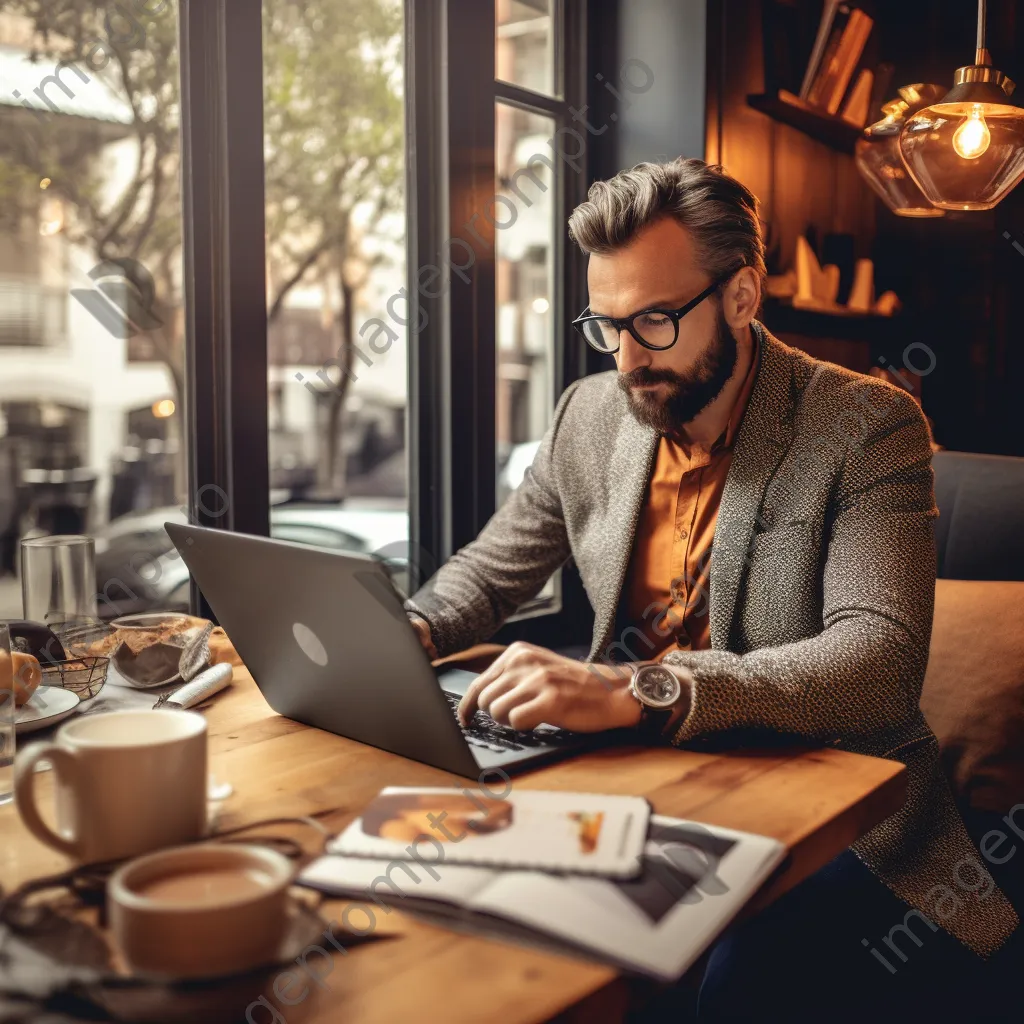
(532, 268)
(243, 329)
(489, 191)
(335, 223)
(524, 290)
(91, 441)
(525, 44)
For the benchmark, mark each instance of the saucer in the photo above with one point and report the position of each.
(155, 999)
(47, 706)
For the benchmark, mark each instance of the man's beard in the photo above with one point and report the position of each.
(687, 396)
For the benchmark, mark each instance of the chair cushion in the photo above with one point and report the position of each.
(978, 532)
(973, 693)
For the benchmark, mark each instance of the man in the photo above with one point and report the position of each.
(810, 619)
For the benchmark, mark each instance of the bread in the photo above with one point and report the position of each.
(20, 672)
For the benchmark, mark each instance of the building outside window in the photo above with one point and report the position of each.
(335, 214)
(90, 249)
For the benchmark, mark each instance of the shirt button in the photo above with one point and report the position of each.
(682, 534)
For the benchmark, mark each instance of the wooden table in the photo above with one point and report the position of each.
(816, 802)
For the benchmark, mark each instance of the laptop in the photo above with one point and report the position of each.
(326, 639)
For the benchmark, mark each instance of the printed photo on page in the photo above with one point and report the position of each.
(585, 833)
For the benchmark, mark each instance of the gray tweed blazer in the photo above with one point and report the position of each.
(822, 591)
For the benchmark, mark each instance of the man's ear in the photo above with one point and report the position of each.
(741, 298)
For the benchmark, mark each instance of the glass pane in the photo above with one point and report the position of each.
(524, 52)
(524, 291)
(91, 326)
(338, 336)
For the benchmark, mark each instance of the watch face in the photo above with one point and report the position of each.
(657, 687)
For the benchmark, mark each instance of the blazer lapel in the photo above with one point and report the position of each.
(629, 469)
(762, 441)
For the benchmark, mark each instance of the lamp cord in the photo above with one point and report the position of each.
(982, 55)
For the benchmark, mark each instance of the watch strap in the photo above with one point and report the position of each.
(653, 720)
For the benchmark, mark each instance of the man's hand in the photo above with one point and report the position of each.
(527, 685)
(422, 628)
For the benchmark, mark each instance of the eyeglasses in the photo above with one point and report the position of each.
(656, 329)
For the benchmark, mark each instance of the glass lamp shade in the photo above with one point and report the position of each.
(877, 155)
(966, 152)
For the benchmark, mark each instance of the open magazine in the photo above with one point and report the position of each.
(694, 880)
(583, 833)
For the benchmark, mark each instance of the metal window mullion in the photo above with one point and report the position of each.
(472, 377)
(427, 425)
(527, 99)
(224, 268)
(572, 357)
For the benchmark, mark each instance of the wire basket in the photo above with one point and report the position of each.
(83, 676)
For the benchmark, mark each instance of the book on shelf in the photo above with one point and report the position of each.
(858, 101)
(849, 36)
(820, 44)
(788, 37)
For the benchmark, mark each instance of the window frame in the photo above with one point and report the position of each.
(224, 267)
(450, 129)
(453, 361)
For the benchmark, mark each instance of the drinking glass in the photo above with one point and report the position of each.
(7, 713)
(58, 578)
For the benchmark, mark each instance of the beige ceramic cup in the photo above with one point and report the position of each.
(126, 782)
(200, 911)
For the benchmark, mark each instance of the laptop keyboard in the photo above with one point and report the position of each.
(484, 731)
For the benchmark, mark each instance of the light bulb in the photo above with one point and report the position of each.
(972, 138)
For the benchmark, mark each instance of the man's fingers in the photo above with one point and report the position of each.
(528, 685)
(499, 704)
(512, 654)
(468, 704)
(496, 691)
(528, 715)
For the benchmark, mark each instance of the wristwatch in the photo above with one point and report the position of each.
(658, 690)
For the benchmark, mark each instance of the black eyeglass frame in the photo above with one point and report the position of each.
(626, 323)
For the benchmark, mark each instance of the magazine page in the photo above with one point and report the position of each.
(585, 833)
(695, 879)
(394, 881)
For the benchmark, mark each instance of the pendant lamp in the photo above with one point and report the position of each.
(966, 152)
(878, 159)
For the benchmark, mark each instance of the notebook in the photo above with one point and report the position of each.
(694, 879)
(583, 833)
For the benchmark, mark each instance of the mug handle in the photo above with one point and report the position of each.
(25, 762)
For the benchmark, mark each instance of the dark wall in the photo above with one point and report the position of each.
(667, 120)
(801, 183)
(959, 277)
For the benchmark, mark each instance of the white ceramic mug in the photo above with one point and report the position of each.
(126, 782)
(202, 910)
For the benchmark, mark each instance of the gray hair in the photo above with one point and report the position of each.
(719, 212)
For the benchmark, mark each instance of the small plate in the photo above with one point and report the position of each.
(47, 706)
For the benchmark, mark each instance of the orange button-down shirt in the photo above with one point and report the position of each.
(667, 590)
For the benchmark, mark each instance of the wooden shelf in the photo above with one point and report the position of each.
(828, 129)
(780, 317)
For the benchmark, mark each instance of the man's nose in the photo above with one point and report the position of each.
(631, 354)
